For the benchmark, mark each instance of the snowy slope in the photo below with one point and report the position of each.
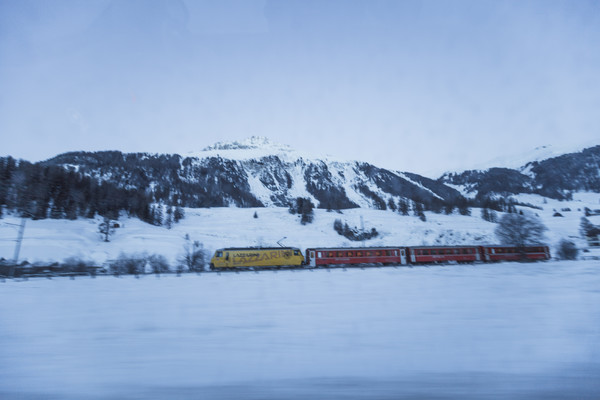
(55, 240)
(519, 159)
(254, 172)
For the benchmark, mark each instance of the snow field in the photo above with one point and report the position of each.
(55, 240)
(114, 337)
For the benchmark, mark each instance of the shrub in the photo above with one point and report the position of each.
(132, 264)
(567, 250)
(77, 265)
(158, 263)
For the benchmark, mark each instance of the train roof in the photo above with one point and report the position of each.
(256, 248)
(355, 248)
(512, 245)
(443, 247)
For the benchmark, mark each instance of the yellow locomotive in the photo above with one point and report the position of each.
(256, 257)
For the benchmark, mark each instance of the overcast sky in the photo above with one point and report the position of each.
(420, 86)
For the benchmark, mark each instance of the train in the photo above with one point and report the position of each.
(314, 257)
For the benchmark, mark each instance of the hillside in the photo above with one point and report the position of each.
(556, 177)
(259, 173)
(56, 240)
(255, 173)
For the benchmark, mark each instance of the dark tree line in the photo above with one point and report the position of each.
(434, 204)
(47, 191)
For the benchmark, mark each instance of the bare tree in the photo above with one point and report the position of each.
(106, 228)
(520, 230)
(158, 263)
(194, 256)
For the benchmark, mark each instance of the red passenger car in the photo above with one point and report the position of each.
(514, 253)
(442, 254)
(322, 256)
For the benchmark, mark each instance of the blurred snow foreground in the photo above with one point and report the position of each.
(498, 331)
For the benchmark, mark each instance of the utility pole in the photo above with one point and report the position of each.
(17, 247)
(19, 240)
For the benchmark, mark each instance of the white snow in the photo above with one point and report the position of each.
(505, 330)
(521, 158)
(257, 147)
(56, 240)
(456, 332)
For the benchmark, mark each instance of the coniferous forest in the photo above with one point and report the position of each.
(48, 191)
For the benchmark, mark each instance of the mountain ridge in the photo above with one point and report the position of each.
(260, 173)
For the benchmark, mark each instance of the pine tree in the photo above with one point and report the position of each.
(158, 215)
(169, 217)
(403, 206)
(392, 204)
(463, 207)
(338, 226)
(178, 214)
(485, 214)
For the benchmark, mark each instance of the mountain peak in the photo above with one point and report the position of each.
(253, 142)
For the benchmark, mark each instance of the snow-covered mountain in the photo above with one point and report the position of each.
(257, 172)
(556, 177)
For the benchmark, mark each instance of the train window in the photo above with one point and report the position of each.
(434, 252)
(401, 252)
(295, 252)
(368, 253)
(359, 253)
(340, 254)
(319, 254)
(219, 254)
(377, 253)
(330, 254)
(350, 254)
(426, 252)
